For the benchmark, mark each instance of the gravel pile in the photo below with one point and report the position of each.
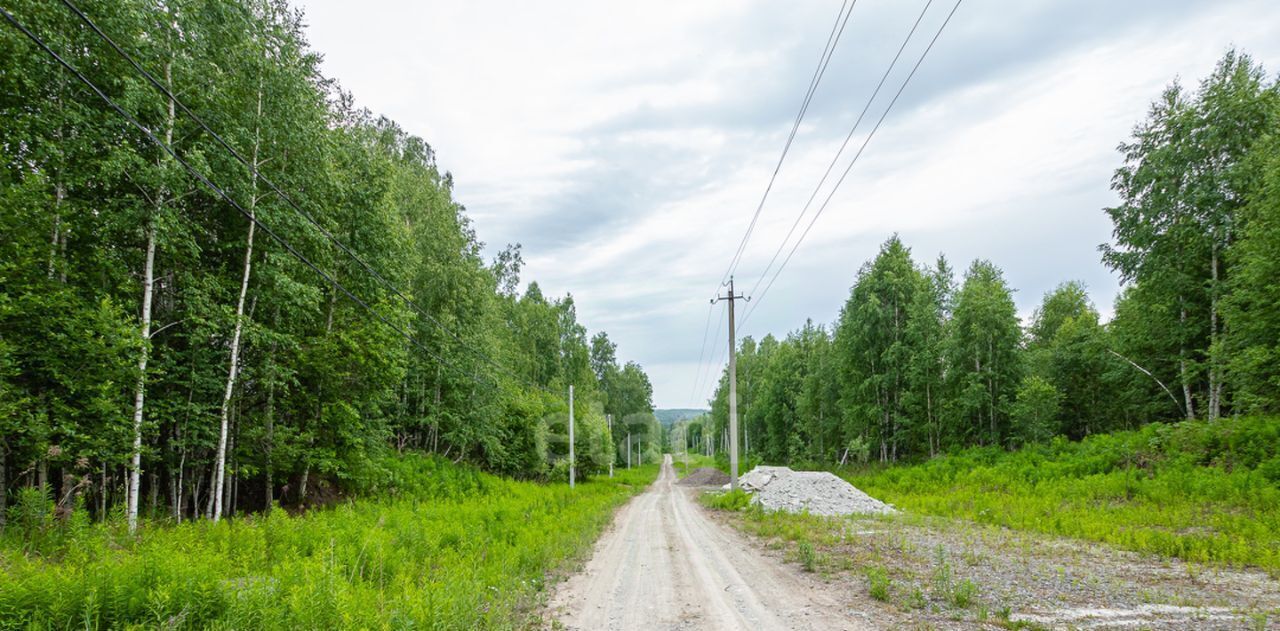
(760, 477)
(705, 476)
(819, 492)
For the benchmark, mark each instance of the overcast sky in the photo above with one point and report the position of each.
(626, 145)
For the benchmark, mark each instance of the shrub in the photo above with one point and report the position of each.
(443, 546)
(735, 500)
(1204, 492)
(964, 593)
(878, 583)
(808, 558)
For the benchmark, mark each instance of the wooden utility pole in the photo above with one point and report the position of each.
(684, 440)
(733, 387)
(571, 467)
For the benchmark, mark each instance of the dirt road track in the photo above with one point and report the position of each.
(665, 565)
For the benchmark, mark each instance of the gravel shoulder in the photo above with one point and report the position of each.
(669, 563)
(666, 564)
(908, 571)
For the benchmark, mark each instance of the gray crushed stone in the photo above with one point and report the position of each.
(818, 492)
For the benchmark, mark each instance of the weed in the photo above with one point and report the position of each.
(916, 600)
(441, 546)
(942, 575)
(734, 500)
(964, 593)
(879, 583)
(1258, 621)
(1207, 493)
(808, 558)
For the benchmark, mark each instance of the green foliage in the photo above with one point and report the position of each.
(916, 366)
(1252, 309)
(983, 354)
(735, 500)
(1067, 301)
(448, 548)
(942, 580)
(1200, 491)
(1034, 411)
(31, 516)
(874, 348)
(808, 558)
(1184, 182)
(322, 388)
(858, 450)
(964, 593)
(879, 585)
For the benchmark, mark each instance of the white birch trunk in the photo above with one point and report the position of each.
(139, 395)
(148, 289)
(234, 364)
(1184, 374)
(1215, 365)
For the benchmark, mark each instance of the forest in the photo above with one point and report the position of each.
(224, 286)
(924, 359)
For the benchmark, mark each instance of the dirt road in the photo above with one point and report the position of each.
(665, 565)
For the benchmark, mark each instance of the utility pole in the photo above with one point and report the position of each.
(733, 386)
(571, 467)
(614, 455)
(684, 442)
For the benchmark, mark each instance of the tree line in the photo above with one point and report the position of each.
(163, 353)
(920, 362)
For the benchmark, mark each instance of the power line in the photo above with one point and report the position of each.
(849, 168)
(227, 197)
(706, 328)
(700, 380)
(272, 185)
(705, 372)
(840, 152)
(823, 60)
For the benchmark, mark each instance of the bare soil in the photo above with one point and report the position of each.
(705, 476)
(950, 574)
(665, 564)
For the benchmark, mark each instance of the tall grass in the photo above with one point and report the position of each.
(443, 548)
(1204, 492)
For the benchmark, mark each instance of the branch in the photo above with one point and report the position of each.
(1153, 378)
(157, 331)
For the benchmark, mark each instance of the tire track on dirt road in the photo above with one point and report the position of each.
(665, 565)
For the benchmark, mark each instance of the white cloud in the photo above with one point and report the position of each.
(628, 144)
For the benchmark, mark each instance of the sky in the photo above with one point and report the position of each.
(627, 146)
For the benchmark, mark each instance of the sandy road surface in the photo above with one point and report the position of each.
(665, 565)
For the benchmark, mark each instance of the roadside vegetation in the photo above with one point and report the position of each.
(302, 396)
(687, 463)
(1199, 491)
(927, 358)
(915, 570)
(163, 354)
(1154, 432)
(438, 546)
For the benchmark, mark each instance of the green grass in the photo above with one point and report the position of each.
(1203, 492)
(808, 558)
(695, 461)
(443, 547)
(734, 500)
(878, 583)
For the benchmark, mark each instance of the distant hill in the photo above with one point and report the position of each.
(673, 416)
